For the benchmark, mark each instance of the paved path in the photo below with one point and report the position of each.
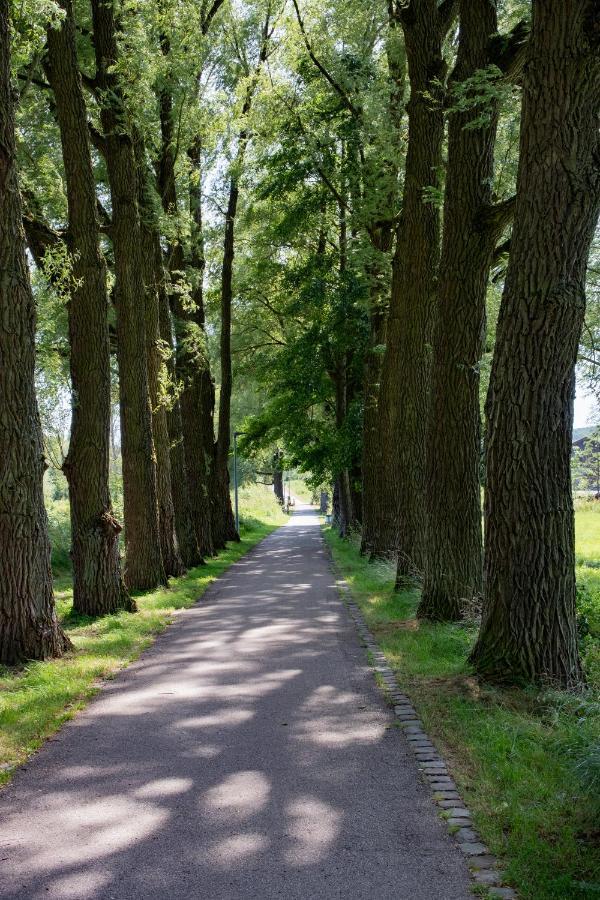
(247, 754)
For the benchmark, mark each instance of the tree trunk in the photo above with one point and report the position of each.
(98, 586)
(198, 395)
(381, 235)
(404, 391)
(373, 479)
(454, 566)
(143, 562)
(192, 366)
(28, 625)
(346, 512)
(154, 279)
(223, 522)
(278, 485)
(528, 632)
(278, 475)
(184, 523)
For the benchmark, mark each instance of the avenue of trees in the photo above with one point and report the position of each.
(358, 231)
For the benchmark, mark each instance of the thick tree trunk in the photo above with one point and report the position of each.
(454, 565)
(184, 523)
(143, 561)
(154, 279)
(198, 395)
(28, 625)
(98, 586)
(381, 235)
(528, 632)
(196, 400)
(405, 379)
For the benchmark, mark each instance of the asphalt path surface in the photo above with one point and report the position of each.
(247, 754)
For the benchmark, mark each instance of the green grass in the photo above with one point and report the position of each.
(38, 697)
(527, 763)
(587, 522)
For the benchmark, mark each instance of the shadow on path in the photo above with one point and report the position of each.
(247, 754)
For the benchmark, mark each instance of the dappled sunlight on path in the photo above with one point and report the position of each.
(246, 754)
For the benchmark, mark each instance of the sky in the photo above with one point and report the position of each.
(586, 408)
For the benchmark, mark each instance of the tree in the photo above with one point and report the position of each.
(97, 582)
(405, 378)
(29, 628)
(528, 630)
(223, 523)
(155, 283)
(143, 562)
(471, 229)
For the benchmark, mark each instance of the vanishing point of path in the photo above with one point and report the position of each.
(247, 754)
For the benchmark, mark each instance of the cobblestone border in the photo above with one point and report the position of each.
(483, 865)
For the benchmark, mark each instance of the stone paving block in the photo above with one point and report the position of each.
(483, 862)
(462, 823)
(452, 796)
(441, 783)
(466, 835)
(472, 848)
(487, 876)
(505, 893)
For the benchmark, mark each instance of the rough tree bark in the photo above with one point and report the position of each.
(98, 586)
(143, 561)
(28, 625)
(404, 391)
(472, 228)
(154, 279)
(528, 631)
(454, 566)
(192, 366)
(381, 234)
(184, 523)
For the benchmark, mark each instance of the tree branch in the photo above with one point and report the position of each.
(496, 217)
(447, 13)
(209, 16)
(509, 51)
(356, 112)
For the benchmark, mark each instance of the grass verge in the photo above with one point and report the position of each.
(527, 763)
(38, 697)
